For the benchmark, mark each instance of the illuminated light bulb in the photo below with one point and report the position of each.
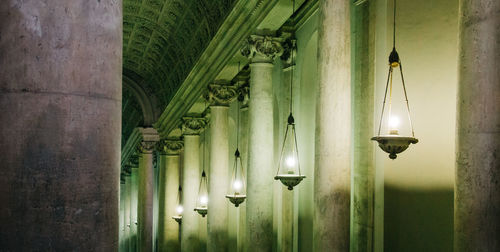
(179, 209)
(393, 125)
(204, 200)
(290, 161)
(237, 185)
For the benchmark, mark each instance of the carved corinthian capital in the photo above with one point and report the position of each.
(221, 95)
(173, 147)
(262, 48)
(149, 139)
(193, 125)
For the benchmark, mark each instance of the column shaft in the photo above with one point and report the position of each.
(171, 190)
(363, 174)
(259, 204)
(122, 216)
(477, 187)
(60, 121)
(145, 210)
(126, 213)
(190, 182)
(333, 129)
(134, 201)
(218, 180)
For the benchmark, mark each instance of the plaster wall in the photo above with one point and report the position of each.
(418, 185)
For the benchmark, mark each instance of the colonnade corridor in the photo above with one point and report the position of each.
(250, 125)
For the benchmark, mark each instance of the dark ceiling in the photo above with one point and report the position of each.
(162, 40)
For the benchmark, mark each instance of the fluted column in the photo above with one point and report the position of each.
(134, 190)
(146, 186)
(60, 124)
(220, 96)
(477, 178)
(261, 50)
(192, 127)
(332, 173)
(168, 229)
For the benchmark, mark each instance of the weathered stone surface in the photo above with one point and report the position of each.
(60, 102)
(217, 219)
(477, 186)
(259, 212)
(332, 173)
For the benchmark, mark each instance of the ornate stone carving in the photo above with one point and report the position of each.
(173, 146)
(147, 147)
(221, 95)
(262, 48)
(149, 139)
(193, 125)
(289, 46)
(244, 94)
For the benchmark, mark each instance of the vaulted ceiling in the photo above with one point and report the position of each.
(162, 40)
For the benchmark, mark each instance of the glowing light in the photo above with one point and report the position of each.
(237, 185)
(393, 122)
(290, 161)
(179, 209)
(204, 200)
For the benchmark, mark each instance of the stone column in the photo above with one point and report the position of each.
(363, 173)
(244, 89)
(220, 96)
(126, 209)
(191, 129)
(134, 182)
(122, 212)
(146, 186)
(168, 229)
(332, 173)
(477, 186)
(60, 121)
(261, 50)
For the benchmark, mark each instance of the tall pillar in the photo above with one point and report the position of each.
(126, 209)
(60, 121)
(332, 172)
(122, 212)
(220, 96)
(146, 186)
(168, 229)
(244, 89)
(261, 50)
(134, 183)
(477, 186)
(191, 129)
(363, 173)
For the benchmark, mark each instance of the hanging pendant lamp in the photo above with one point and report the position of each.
(289, 166)
(178, 209)
(237, 190)
(391, 141)
(202, 201)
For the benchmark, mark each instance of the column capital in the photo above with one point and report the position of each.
(289, 46)
(171, 147)
(221, 94)
(149, 139)
(193, 125)
(262, 48)
(244, 94)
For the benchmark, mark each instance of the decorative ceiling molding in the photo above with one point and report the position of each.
(240, 23)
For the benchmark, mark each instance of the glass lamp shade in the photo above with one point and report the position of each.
(237, 188)
(289, 166)
(178, 209)
(391, 138)
(202, 201)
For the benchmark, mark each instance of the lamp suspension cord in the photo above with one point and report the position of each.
(394, 26)
(291, 64)
(238, 114)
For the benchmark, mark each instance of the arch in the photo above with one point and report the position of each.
(143, 99)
